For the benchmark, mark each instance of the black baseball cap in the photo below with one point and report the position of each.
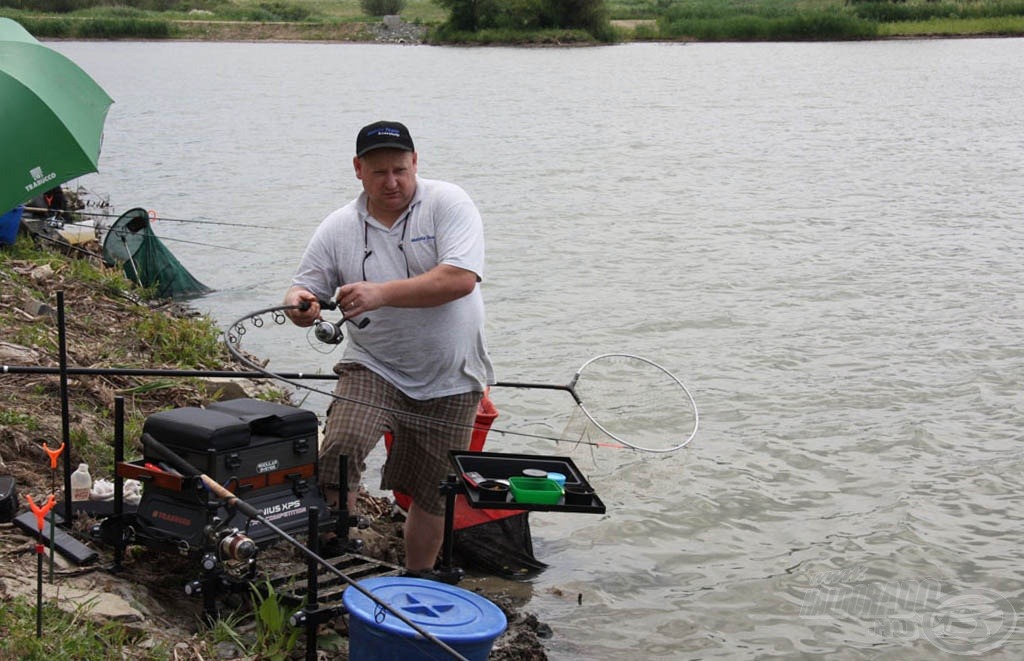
(381, 135)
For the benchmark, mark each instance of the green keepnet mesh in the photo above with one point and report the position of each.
(130, 241)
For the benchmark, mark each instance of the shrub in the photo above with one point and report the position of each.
(68, 6)
(474, 15)
(43, 28)
(382, 7)
(645, 32)
(111, 28)
(765, 23)
(278, 11)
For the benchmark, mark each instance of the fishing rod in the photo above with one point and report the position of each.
(158, 450)
(65, 244)
(210, 245)
(147, 371)
(285, 377)
(162, 238)
(328, 332)
(122, 233)
(154, 218)
(613, 390)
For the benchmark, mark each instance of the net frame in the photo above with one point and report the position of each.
(601, 416)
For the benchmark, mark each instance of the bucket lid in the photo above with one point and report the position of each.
(448, 612)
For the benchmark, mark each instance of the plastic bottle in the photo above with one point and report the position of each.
(81, 483)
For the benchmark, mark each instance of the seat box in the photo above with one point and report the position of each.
(269, 418)
(178, 518)
(243, 441)
(198, 429)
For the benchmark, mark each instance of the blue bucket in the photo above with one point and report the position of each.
(9, 224)
(463, 620)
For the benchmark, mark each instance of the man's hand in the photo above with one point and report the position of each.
(360, 297)
(296, 296)
(441, 284)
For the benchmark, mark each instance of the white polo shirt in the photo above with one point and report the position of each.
(425, 352)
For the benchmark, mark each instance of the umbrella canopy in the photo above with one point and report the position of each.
(51, 117)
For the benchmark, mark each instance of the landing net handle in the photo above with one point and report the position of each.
(618, 392)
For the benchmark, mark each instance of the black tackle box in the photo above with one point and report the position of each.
(240, 438)
(8, 498)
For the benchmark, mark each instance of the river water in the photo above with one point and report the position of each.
(823, 241)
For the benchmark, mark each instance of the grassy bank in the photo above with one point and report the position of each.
(109, 323)
(666, 20)
(112, 323)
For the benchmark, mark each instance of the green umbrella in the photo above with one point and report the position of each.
(51, 117)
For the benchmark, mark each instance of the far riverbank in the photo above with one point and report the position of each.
(425, 22)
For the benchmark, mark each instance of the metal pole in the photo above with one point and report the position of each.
(118, 483)
(312, 582)
(39, 589)
(65, 416)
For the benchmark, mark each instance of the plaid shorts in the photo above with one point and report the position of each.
(366, 406)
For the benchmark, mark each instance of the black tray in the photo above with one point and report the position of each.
(500, 466)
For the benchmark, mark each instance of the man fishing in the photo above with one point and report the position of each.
(408, 256)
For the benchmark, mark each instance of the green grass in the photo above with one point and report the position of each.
(275, 637)
(416, 11)
(73, 636)
(1006, 25)
(423, 11)
(192, 343)
(776, 20)
(108, 321)
(505, 36)
(15, 419)
(66, 636)
(188, 343)
(893, 12)
(768, 26)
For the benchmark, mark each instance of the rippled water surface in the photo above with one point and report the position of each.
(822, 240)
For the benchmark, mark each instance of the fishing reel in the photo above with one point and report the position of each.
(232, 552)
(235, 545)
(230, 544)
(329, 332)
